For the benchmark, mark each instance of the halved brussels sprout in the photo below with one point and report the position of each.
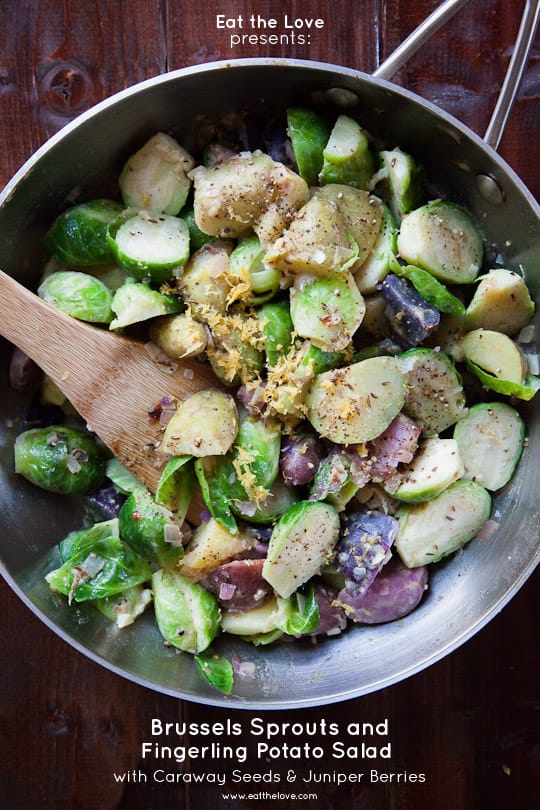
(179, 335)
(301, 544)
(148, 245)
(356, 403)
(402, 176)
(156, 177)
(347, 157)
(135, 302)
(442, 238)
(151, 529)
(327, 310)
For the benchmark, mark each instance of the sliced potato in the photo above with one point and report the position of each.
(250, 622)
(205, 424)
(249, 190)
(205, 278)
(212, 545)
(316, 242)
(354, 404)
(496, 353)
(501, 302)
(362, 214)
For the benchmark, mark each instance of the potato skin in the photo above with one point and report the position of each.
(332, 618)
(395, 592)
(299, 459)
(250, 589)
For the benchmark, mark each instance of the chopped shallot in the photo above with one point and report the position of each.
(172, 534)
(72, 464)
(527, 334)
(82, 573)
(226, 591)
(245, 669)
(488, 529)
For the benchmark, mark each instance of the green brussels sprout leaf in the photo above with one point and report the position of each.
(217, 670)
(432, 290)
(299, 614)
(175, 487)
(214, 497)
(309, 133)
(277, 328)
(525, 390)
(100, 565)
(124, 480)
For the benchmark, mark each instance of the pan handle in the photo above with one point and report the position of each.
(514, 73)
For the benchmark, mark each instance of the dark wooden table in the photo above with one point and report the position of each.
(470, 722)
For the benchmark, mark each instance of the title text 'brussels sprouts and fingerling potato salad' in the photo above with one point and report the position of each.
(370, 365)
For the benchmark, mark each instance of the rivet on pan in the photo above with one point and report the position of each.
(341, 97)
(489, 189)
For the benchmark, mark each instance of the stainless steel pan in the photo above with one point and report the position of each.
(467, 590)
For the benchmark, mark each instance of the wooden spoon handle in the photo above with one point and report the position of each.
(47, 335)
(112, 381)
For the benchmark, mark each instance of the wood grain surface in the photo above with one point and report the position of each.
(471, 721)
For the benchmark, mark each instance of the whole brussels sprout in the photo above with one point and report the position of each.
(78, 237)
(79, 294)
(60, 459)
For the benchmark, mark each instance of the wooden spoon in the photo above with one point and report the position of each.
(113, 382)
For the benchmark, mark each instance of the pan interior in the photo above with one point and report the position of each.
(83, 162)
